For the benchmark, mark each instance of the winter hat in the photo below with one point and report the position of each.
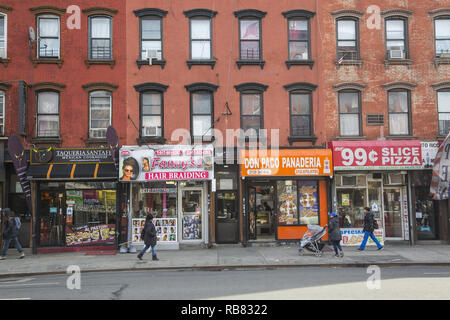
(333, 214)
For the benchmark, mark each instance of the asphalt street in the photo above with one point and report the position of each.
(252, 284)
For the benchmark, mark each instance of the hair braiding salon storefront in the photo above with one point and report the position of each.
(284, 191)
(172, 182)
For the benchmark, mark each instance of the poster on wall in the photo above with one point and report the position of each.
(354, 237)
(192, 227)
(308, 202)
(90, 235)
(166, 229)
(287, 202)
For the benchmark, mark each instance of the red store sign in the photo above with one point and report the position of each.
(377, 155)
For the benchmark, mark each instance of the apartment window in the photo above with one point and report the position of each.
(301, 113)
(48, 36)
(399, 115)
(100, 107)
(151, 38)
(299, 40)
(201, 44)
(202, 115)
(152, 114)
(350, 113)
(251, 112)
(347, 39)
(250, 39)
(3, 36)
(444, 111)
(47, 117)
(396, 38)
(2, 112)
(442, 31)
(100, 38)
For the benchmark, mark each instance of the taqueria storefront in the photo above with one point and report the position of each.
(173, 183)
(284, 191)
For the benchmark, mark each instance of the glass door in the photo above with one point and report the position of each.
(252, 213)
(393, 212)
(191, 214)
(52, 218)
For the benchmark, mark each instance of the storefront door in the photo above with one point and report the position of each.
(191, 214)
(392, 197)
(262, 213)
(52, 219)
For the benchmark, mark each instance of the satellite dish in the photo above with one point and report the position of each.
(32, 35)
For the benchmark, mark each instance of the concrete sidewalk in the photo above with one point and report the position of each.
(224, 257)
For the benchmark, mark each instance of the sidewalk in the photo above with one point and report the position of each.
(224, 257)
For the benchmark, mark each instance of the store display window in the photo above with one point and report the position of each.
(157, 198)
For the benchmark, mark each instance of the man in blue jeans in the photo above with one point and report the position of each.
(369, 227)
(11, 233)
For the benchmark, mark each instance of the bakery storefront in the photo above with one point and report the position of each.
(173, 183)
(374, 174)
(283, 192)
(74, 194)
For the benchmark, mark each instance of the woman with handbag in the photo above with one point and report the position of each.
(149, 236)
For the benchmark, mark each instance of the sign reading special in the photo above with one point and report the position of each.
(166, 162)
(313, 162)
(377, 155)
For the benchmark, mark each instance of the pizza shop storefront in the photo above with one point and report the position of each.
(74, 194)
(283, 192)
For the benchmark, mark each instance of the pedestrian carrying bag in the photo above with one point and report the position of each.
(18, 223)
(375, 224)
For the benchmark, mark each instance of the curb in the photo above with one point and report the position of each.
(237, 267)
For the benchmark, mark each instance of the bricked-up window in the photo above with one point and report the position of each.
(444, 111)
(100, 107)
(399, 114)
(3, 36)
(442, 32)
(100, 38)
(2, 112)
(396, 38)
(299, 39)
(47, 117)
(152, 114)
(201, 41)
(347, 39)
(301, 113)
(151, 38)
(48, 38)
(350, 112)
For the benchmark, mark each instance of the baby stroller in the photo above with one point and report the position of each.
(311, 240)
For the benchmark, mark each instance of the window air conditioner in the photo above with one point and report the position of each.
(395, 179)
(150, 55)
(98, 133)
(151, 131)
(444, 55)
(396, 54)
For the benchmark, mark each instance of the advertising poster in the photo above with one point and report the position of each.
(166, 229)
(90, 235)
(354, 237)
(345, 200)
(192, 227)
(287, 200)
(308, 202)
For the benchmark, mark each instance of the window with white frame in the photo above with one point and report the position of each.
(201, 44)
(100, 38)
(350, 113)
(399, 115)
(152, 114)
(48, 36)
(47, 117)
(442, 34)
(100, 105)
(3, 36)
(444, 111)
(2, 112)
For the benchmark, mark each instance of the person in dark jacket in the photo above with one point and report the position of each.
(335, 234)
(369, 227)
(11, 233)
(149, 236)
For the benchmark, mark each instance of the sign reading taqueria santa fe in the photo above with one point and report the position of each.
(285, 162)
(166, 162)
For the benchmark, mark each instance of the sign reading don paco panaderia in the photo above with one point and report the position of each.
(97, 155)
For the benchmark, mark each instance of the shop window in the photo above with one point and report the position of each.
(350, 205)
(308, 200)
(287, 202)
(347, 180)
(157, 198)
(393, 179)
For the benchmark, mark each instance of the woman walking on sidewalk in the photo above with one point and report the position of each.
(149, 236)
(369, 226)
(11, 233)
(335, 234)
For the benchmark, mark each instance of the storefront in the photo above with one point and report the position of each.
(374, 174)
(173, 183)
(74, 199)
(283, 192)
